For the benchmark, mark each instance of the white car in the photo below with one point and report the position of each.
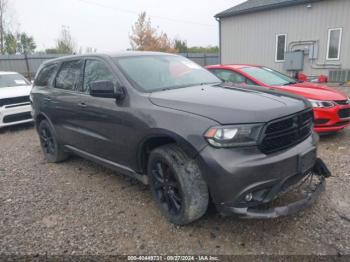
(15, 107)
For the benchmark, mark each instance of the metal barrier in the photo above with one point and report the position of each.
(27, 65)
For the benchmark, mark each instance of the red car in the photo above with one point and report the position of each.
(331, 108)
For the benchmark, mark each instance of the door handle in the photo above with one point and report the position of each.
(82, 104)
(46, 99)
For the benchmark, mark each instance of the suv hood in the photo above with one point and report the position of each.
(314, 91)
(230, 104)
(14, 91)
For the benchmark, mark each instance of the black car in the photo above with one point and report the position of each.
(169, 123)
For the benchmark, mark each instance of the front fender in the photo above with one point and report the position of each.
(166, 136)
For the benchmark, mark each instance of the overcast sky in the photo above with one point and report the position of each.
(106, 24)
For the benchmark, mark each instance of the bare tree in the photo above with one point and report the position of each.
(3, 9)
(65, 43)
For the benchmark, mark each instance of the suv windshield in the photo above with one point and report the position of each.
(12, 80)
(151, 73)
(268, 76)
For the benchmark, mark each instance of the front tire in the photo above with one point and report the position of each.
(177, 185)
(53, 151)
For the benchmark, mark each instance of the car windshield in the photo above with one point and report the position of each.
(150, 73)
(268, 76)
(9, 80)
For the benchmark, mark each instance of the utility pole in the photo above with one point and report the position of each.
(1, 27)
(3, 4)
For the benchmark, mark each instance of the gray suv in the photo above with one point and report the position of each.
(164, 120)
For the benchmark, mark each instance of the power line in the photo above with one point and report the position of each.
(152, 16)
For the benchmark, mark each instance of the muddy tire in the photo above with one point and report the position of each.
(53, 151)
(177, 185)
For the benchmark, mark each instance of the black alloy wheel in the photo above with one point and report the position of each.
(166, 187)
(53, 151)
(177, 184)
(47, 140)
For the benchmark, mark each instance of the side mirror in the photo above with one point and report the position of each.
(106, 89)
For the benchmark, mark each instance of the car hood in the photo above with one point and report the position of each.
(230, 104)
(313, 91)
(14, 91)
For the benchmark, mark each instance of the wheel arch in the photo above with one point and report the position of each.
(39, 118)
(42, 116)
(160, 138)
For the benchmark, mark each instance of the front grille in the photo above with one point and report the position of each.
(321, 121)
(14, 100)
(287, 132)
(17, 117)
(342, 102)
(344, 113)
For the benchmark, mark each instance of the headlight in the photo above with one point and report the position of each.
(322, 104)
(233, 136)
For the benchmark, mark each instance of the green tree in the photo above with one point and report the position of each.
(26, 44)
(201, 49)
(10, 45)
(181, 46)
(19, 43)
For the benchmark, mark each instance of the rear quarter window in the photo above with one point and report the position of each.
(45, 75)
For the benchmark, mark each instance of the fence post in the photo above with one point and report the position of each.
(27, 65)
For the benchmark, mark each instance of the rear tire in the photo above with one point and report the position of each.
(177, 185)
(53, 151)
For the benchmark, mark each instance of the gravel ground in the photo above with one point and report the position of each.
(78, 207)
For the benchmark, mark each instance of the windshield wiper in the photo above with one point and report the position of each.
(164, 89)
(171, 88)
(188, 85)
(290, 83)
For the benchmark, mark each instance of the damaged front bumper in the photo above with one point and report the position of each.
(266, 210)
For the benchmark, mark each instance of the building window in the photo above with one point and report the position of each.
(281, 46)
(334, 43)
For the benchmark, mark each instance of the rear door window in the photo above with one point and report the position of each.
(45, 75)
(70, 75)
